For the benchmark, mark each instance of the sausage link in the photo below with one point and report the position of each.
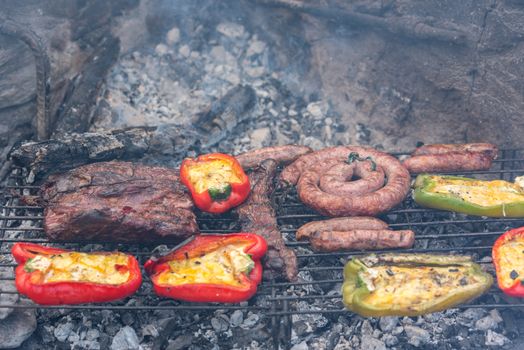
(336, 179)
(281, 154)
(329, 241)
(373, 203)
(488, 148)
(340, 224)
(453, 161)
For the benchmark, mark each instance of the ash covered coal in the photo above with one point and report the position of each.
(176, 81)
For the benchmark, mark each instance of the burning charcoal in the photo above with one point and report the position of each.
(486, 323)
(496, 339)
(236, 319)
(7, 298)
(17, 327)
(368, 342)
(220, 323)
(390, 340)
(181, 342)
(62, 331)
(388, 323)
(416, 335)
(300, 346)
(225, 114)
(126, 338)
(251, 320)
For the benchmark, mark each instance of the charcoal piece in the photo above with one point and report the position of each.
(225, 114)
(70, 151)
(256, 215)
(117, 201)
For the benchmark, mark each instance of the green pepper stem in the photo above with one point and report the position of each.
(354, 156)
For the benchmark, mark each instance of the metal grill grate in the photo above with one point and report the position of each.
(318, 289)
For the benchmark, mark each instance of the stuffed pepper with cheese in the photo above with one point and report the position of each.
(497, 198)
(216, 181)
(508, 258)
(211, 268)
(411, 284)
(52, 276)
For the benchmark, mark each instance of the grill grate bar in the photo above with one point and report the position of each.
(410, 250)
(135, 307)
(289, 244)
(474, 235)
(438, 222)
(343, 311)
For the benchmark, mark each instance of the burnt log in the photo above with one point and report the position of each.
(53, 55)
(165, 144)
(72, 150)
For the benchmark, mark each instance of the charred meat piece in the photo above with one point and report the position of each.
(451, 157)
(117, 201)
(256, 215)
(281, 154)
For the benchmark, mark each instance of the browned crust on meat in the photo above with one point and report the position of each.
(340, 224)
(257, 215)
(335, 180)
(453, 161)
(330, 241)
(486, 148)
(117, 201)
(283, 155)
(373, 203)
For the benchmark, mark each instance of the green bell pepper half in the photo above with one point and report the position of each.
(425, 195)
(411, 284)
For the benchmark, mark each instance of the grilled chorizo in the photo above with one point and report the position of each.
(453, 161)
(450, 157)
(281, 154)
(329, 241)
(487, 148)
(307, 175)
(340, 224)
(336, 179)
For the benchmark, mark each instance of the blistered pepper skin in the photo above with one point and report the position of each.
(355, 291)
(210, 292)
(68, 292)
(424, 196)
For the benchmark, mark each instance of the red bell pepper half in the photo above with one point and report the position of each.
(211, 268)
(216, 181)
(52, 276)
(508, 258)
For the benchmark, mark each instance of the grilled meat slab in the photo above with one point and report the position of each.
(256, 215)
(117, 201)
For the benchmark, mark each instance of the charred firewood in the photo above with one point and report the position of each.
(53, 156)
(407, 26)
(225, 114)
(257, 215)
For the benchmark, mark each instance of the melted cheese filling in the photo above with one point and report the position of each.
(483, 193)
(81, 267)
(211, 174)
(410, 287)
(222, 266)
(511, 262)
